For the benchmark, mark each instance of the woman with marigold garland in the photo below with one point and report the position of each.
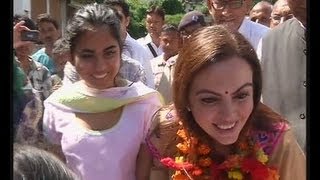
(217, 128)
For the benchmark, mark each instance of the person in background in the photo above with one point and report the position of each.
(30, 163)
(49, 33)
(38, 76)
(217, 128)
(284, 64)
(131, 47)
(280, 13)
(19, 77)
(60, 56)
(100, 122)
(261, 13)
(190, 22)
(232, 14)
(155, 19)
(37, 86)
(171, 42)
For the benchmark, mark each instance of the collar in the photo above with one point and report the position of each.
(244, 26)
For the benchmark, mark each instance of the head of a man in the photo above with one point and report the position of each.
(261, 13)
(229, 12)
(190, 22)
(170, 40)
(280, 13)
(61, 54)
(155, 21)
(124, 14)
(48, 28)
(25, 50)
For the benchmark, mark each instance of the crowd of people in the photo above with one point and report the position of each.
(218, 100)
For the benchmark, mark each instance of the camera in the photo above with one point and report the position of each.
(31, 35)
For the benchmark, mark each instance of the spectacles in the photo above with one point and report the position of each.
(221, 5)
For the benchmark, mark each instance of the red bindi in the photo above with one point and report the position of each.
(226, 92)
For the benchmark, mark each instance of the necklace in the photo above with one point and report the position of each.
(193, 161)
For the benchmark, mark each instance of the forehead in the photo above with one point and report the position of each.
(169, 34)
(154, 17)
(96, 38)
(282, 6)
(45, 26)
(230, 73)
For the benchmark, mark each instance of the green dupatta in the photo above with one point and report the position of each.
(80, 98)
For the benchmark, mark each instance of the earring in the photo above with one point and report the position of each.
(188, 109)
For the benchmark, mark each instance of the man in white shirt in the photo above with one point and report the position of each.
(154, 22)
(232, 14)
(131, 46)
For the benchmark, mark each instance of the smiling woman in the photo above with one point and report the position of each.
(90, 121)
(217, 128)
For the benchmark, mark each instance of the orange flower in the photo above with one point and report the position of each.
(183, 147)
(232, 161)
(243, 146)
(205, 162)
(194, 140)
(203, 149)
(197, 172)
(181, 133)
(273, 174)
(180, 176)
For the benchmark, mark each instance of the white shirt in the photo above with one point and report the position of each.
(253, 32)
(163, 72)
(147, 39)
(138, 52)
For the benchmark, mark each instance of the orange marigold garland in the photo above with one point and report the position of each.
(249, 162)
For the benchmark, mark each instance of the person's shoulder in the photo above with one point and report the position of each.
(257, 28)
(130, 61)
(283, 29)
(158, 59)
(39, 52)
(143, 40)
(39, 66)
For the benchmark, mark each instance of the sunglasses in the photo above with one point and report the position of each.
(221, 5)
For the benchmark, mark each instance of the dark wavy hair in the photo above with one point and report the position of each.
(89, 17)
(207, 46)
(31, 163)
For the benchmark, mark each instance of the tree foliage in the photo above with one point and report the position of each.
(172, 7)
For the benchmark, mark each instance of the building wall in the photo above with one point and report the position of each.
(19, 7)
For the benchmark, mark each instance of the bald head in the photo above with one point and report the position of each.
(280, 13)
(261, 13)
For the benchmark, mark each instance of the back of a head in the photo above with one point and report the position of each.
(31, 163)
(60, 46)
(190, 18)
(169, 28)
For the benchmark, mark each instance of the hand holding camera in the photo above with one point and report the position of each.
(22, 35)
